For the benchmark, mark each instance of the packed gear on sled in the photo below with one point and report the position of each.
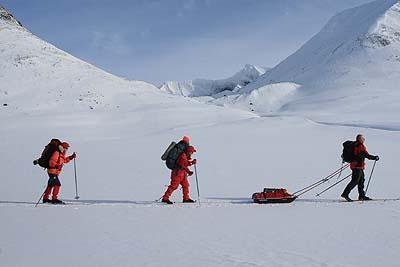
(273, 195)
(281, 195)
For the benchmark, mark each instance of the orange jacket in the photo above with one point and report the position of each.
(56, 162)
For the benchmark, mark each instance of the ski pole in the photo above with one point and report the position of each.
(369, 180)
(76, 182)
(320, 182)
(341, 180)
(158, 199)
(37, 203)
(341, 170)
(197, 184)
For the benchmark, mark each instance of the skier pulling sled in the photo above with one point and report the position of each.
(353, 156)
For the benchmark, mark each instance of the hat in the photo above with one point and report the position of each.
(65, 145)
(186, 139)
(191, 149)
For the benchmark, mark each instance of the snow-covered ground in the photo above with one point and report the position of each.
(116, 222)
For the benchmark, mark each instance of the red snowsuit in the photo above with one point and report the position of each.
(56, 163)
(361, 153)
(179, 177)
(357, 166)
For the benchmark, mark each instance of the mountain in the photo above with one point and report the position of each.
(35, 75)
(350, 68)
(203, 87)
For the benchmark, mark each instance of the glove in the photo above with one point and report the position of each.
(376, 158)
(194, 161)
(72, 156)
(190, 173)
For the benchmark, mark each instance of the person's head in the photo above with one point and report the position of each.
(63, 147)
(186, 139)
(190, 150)
(360, 138)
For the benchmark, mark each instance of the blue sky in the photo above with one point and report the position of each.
(177, 39)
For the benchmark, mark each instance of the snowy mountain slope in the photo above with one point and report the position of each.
(37, 75)
(350, 67)
(202, 87)
(8, 18)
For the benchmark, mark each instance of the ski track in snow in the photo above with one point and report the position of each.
(362, 126)
(205, 203)
(372, 126)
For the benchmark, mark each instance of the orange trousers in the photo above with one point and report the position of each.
(178, 177)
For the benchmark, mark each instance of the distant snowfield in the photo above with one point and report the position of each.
(119, 130)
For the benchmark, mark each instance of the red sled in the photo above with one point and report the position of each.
(273, 195)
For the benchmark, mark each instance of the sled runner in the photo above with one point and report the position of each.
(273, 195)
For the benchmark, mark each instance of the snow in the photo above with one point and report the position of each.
(347, 73)
(119, 143)
(203, 87)
(120, 173)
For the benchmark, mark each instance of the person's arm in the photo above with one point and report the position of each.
(365, 154)
(68, 159)
(184, 163)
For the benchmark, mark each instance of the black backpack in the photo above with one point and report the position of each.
(174, 153)
(348, 151)
(48, 151)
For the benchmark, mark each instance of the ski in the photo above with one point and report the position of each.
(372, 200)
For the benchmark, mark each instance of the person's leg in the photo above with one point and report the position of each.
(175, 181)
(47, 192)
(50, 185)
(361, 192)
(56, 188)
(185, 188)
(355, 176)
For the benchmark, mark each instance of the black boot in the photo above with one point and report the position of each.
(346, 197)
(46, 200)
(364, 198)
(189, 201)
(57, 202)
(167, 201)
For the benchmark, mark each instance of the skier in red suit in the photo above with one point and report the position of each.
(179, 176)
